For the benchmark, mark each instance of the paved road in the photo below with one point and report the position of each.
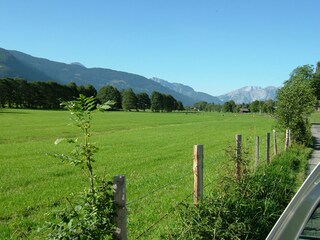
(315, 156)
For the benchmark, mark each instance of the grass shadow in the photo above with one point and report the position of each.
(12, 112)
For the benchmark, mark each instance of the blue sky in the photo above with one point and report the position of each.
(214, 46)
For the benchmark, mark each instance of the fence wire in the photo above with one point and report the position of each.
(158, 189)
(151, 227)
(171, 210)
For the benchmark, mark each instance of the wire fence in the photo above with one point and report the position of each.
(171, 209)
(164, 216)
(197, 195)
(151, 227)
(173, 182)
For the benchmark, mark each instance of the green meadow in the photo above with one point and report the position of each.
(153, 150)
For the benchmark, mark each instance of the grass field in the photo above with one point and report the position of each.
(151, 149)
(315, 117)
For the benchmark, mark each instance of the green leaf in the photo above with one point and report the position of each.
(77, 208)
(105, 106)
(59, 140)
(70, 224)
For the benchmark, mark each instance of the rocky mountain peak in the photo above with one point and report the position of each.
(249, 94)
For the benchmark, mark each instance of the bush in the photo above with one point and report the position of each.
(91, 215)
(244, 209)
(295, 102)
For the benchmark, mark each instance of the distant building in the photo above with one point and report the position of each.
(244, 110)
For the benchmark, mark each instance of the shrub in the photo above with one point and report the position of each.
(245, 208)
(91, 215)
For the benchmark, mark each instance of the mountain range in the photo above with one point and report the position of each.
(249, 94)
(17, 64)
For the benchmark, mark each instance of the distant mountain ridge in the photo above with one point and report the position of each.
(188, 91)
(17, 64)
(10, 66)
(249, 94)
(243, 95)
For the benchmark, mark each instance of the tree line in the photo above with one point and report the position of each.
(128, 100)
(256, 106)
(19, 93)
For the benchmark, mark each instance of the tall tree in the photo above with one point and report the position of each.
(295, 101)
(156, 101)
(73, 88)
(3, 98)
(9, 91)
(180, 106)
(210, 107)
(201, 106)
(169, 103)
(52, 93)
(129, 100)
(229, 106)
(316, 81)
(88, 90)
(269, 106)
(110, 93)
(20, 88)
(143, 101)
(256, 106)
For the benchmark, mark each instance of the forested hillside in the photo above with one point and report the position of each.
(19, 93)
(14, 64)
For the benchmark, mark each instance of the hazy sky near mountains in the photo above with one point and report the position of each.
(214, 46)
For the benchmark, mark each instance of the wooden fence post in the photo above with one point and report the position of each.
(287, 139)
(275, 147)
(256, 162)
(238, 157)
(198, 173)
(268, 147)
(119, 195)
